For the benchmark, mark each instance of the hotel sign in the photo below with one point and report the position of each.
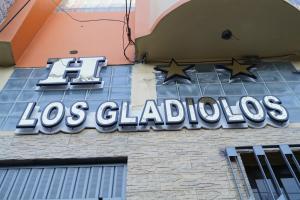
(207, 113)
(172, 114)
(73, 72)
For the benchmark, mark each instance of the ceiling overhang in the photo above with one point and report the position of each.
(191, 31)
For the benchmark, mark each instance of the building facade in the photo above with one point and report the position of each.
(80, 120)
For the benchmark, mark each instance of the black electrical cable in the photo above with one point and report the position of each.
(128, 30)
(125, 22)
(20, 10)
(127, 17)
(125, 48)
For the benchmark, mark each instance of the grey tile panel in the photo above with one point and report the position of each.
(10, 123)
(75, 94)
(5, 108)
(270, 76)
(98, 94)
(29, 95)
(276, 79)
(210, 89)
(120, 93)
(256, 89)
(208, 77)
(15, 84)
(234, 89)
(21, 73)
(21, 88)
(279, 88)
(8, 96)
(189, 90)
(121, 81)
(18, 108)
(273, 79)
(167, 91)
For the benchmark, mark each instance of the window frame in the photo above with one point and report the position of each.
(238, 170)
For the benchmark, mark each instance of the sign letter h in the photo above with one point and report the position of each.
(84, 68)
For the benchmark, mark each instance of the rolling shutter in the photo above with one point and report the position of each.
(64, 182)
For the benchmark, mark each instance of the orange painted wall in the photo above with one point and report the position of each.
(60, 34)
(36, 18)
(24, 27)
(10, 31)
(41, 32)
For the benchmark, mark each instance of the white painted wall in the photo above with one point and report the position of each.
(157, 7)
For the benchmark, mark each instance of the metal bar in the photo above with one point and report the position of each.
(286, 151)
(242, 169)
(231, 153)
(290, 152)
(258, 152)
(278, 189)
(235, 178)
(296, 163)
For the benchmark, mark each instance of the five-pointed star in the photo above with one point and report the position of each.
(175, 71)
(237, 69)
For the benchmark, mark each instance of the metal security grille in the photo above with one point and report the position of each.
(272, 173)
(63, 182)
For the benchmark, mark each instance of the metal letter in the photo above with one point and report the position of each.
(151, 113)
(174, 112)
(51, 121)
(78, 114)
(86, 72)
(256, 116)
(230, 117)
(25, 121)
(107, 114)
(215, 115)
(191, 111)
(275, 110)
(125, 120)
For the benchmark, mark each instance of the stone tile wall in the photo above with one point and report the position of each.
(161, 165)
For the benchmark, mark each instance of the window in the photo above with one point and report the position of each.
(4, 5)
(295, 3)
(64, 182)
(95, 4)
(273, 172)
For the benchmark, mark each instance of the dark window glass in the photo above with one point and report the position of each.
(261, 187)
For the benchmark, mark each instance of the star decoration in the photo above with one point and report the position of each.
(236, 69)
(174, 70)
